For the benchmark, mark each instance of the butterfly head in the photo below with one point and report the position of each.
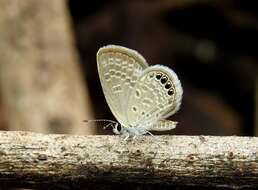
(117, 129)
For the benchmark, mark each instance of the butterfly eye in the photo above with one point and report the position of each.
(170, 92)
(158, 76)
(168, 85)
(164, 79)
(119, 128)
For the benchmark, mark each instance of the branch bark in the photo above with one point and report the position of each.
(64, 161)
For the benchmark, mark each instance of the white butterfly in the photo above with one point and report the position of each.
(139, 96)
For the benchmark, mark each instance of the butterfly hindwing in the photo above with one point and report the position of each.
(119, 68)
(156, 95)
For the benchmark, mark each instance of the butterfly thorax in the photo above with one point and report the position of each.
(133, 131)
(130, 130)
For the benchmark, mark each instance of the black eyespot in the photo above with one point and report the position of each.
(170, 92)
(134, 109)
(158, 76)
(164, 80)
(168, 85)
(143, 113)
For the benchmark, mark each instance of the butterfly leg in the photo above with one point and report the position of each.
(126, 137)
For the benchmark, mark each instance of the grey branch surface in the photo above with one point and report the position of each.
(34, 160)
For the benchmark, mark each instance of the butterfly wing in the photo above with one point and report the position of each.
(156, 95)
(119, 68)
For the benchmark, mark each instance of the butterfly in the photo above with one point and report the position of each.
(140, 96)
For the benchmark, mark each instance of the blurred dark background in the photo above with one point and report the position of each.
(211, 45)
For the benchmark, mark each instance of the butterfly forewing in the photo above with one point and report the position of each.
(156, 95)
(119, 68)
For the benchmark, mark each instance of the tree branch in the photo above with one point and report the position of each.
(64, 161)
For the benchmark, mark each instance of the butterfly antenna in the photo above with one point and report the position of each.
(99, 120)
(102, 120)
